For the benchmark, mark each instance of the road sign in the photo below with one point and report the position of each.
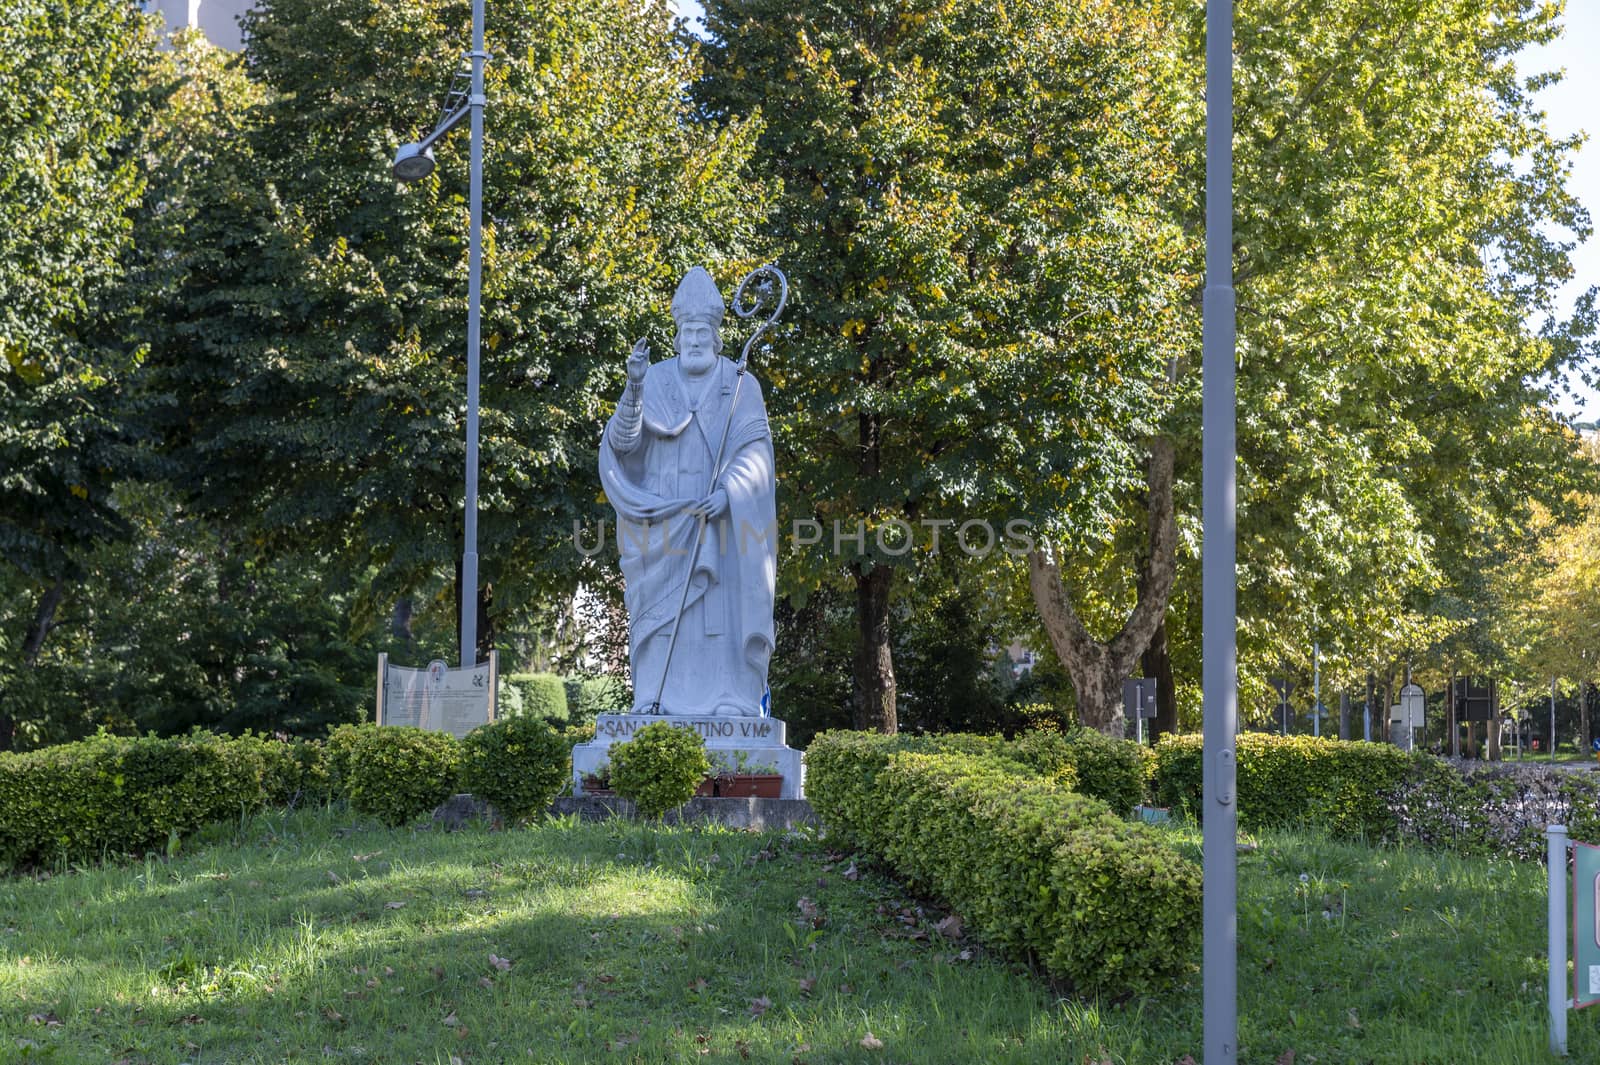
(1585, 927)
(1139, 697)
(1475, 698)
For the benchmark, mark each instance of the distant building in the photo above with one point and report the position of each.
(217, 19)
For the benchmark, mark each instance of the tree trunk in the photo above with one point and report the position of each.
(874, 694)
(1157, 662)
(1583, 719)
(44, 619)
(1098, 669)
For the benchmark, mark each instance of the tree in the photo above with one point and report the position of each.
(77, 91)
(984, 280)
(310, 338)
(1400, 217)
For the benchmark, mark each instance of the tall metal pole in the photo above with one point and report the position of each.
(1552, 719)
(1219, 575)
(469, 555)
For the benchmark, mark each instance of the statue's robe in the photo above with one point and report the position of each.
(725, 638)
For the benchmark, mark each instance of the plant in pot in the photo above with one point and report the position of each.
(599, 781)
(746, 779)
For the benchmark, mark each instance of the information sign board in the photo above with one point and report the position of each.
(1585, 928)
(437, 697)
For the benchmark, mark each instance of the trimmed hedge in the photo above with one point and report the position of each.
(541, 695)
(1103, 768)
(125, 795)
(590, 696)
(397, 773)
(517, 763)
(1101, 902)
(1295, 780)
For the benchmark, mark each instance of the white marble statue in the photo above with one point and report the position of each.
(658, 465)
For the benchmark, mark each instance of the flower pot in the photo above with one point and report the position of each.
(749, 786)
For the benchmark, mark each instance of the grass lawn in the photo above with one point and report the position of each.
(318, 937)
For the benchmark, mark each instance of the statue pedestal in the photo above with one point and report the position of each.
(759, 739)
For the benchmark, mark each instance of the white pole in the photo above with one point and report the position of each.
(1557, 866)
(1219, 573)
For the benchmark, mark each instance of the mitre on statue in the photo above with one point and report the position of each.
(697, 298)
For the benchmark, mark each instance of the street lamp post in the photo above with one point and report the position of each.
(1219, 575)
(415, 161)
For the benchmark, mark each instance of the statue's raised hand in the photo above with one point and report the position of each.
(638, 363)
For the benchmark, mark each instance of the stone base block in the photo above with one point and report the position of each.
(758, 740)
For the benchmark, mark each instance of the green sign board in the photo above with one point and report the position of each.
(1585, 925)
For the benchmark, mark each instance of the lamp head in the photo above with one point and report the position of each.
(413, 162)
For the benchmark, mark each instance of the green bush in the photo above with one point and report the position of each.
(842, 765)
(518, 763)
(119, 795)
(659, 768)
(340, 744)
(1100, 902)
(397, 772)
(541, 695)
(1295, 780)
(1107, 769)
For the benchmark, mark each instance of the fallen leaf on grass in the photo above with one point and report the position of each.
(1351, 1019)
(807, 908)
(49, 1020)
(365, 857)
(624, 1042)
(503, 964)
(1104, 1059)
(1187, 1059)
(333, 1015)
(807, 983)
(334, 877)
(388, 971)
(450, 1020)
(698, 986)
(758, 1006)
(871, 1042)
(485, 983)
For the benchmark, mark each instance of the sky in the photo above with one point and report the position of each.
(1572, 105)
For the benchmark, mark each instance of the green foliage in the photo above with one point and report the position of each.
(312, 313)
(540, 695)
(590, 696)
(1102, 903)
(970, 199)
(398, 773)
(1285, 781)
(1086, 761)
(118, 795)
(518, 763)
(659, 768)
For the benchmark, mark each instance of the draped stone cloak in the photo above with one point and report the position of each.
(726, 636)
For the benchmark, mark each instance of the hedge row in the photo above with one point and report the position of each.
(113, 795)
(1294, 780)
(118, 794)
(1030, 865)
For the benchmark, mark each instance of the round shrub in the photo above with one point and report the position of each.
(517, 763)
(397, 772)
(542, 695)
(659, 768)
